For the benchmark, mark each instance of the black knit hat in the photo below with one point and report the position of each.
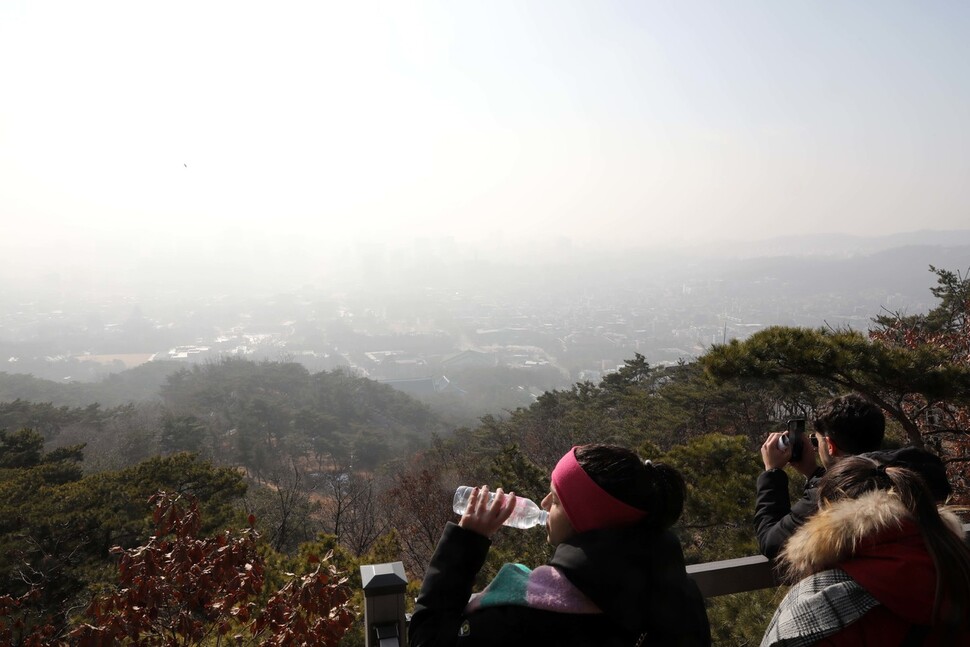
(925, 463)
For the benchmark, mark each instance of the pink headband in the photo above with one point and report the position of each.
(587, 505)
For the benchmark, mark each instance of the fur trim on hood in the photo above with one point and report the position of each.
(831, 535)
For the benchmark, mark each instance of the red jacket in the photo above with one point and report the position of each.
(896, 569)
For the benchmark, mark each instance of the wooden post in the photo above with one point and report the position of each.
(384, 586)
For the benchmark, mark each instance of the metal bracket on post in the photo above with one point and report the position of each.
(384, 586)
(387, 635)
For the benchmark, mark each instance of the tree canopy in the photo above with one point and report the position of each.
(916, 368)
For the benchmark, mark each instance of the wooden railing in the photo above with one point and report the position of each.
(733, 576)
(744, 574)
(384, 585)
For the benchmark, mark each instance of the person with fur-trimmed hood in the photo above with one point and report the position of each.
(878, 564)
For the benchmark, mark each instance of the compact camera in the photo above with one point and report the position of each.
(796, 429)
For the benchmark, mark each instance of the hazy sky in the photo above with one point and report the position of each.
(151, 127)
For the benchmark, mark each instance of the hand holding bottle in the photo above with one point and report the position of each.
(486, 514)
(525, 512)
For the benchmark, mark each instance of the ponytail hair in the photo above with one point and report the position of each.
(656, 488)
(854, 476)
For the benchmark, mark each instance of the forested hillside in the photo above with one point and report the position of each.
(334, 461)
(134, 385)
(261, 412)
(255, 415)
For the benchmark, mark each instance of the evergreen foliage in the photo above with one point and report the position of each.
(255, 412)
(916, 368)
(845, 360)
(139, 384)
(58, 527)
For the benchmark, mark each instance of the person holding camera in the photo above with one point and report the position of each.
(844, 426)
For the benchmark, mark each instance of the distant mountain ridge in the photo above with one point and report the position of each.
(901, 269)
(839, 244)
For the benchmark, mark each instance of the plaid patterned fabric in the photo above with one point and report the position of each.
(818, 606)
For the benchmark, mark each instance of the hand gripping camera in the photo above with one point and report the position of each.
(796, 429)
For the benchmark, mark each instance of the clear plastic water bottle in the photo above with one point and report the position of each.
(526, 514)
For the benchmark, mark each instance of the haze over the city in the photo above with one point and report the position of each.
(201, 136)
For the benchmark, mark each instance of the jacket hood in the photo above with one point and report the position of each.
(636, 575)
(877, 541)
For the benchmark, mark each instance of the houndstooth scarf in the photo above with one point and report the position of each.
(818, 606)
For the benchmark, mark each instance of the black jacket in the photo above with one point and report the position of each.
(775, 518)
(636, 576)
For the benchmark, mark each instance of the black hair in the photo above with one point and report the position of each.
(853, 423)
(854, 476)
(656, 488)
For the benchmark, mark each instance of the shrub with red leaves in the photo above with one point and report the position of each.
(19, 624)
(180, 589)
(944, 424)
